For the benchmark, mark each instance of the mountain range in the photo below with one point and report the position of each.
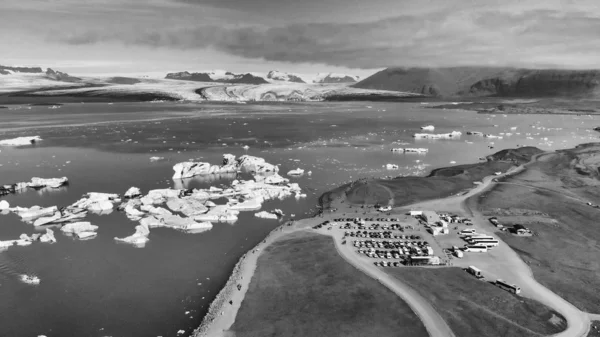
(272, 76)
(486, 81)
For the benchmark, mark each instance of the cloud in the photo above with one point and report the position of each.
(440, 38)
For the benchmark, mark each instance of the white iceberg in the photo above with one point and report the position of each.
(35, 212)
(47, 182)
(139, 238)
(273, 179)
(19, 242)
(96, 202)
(48, 219)
(133, 192)
(251, 164)
(48, 236)
(246, 205)
(30, 279)
(78, 227)
(296, 172)
(156, 158)
(266, 215)
(189, 206)
(20, 141)
(451, 135)
(85, 235)
(392, 167)
(155, 210)
(219, 213)
(428, 128)
(410, 150)
(4, 205)
(160, 196)
(190, 169)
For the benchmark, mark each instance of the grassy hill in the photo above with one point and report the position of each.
(486, 81)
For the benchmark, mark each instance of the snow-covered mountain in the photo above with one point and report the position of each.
(283, 76)
(334, 78)
(217, 76)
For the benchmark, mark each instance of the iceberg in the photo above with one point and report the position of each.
(275, 214)
(251, 164)
(20, 141)
(133, 192)
(85, 235)
(392, 167)
(451, 135)
(31, 214)
(411, 150)
(30, 279)
(48, 236)
(19, 242)
(160, 196)
(297, 172)
(78, 227)
(190, 169)
(48, 219)
(155, 210)
(251, 204)
(4, 205)
(428, 128)
(175, 222)
(96, 202)
(47, 182)
(189, 206)
(219, 213)
(139, 238)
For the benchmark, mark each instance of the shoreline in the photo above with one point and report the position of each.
(221, 313)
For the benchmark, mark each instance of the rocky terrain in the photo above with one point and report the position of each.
(487, 81)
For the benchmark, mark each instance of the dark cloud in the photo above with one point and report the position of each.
(491, 37)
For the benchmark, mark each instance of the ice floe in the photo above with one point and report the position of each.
(451, 135)
(30, 279)
(428, 128)
(139, 238)
(410, 150)
(20, 141)
(79, 229)
(133, 192)
(296, 172)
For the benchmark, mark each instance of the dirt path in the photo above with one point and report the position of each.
(503, 262)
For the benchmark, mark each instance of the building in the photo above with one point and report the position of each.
(430, 217)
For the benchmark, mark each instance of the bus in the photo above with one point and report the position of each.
(475, 272)
(508, 287)
(476, 248)
(486, 242)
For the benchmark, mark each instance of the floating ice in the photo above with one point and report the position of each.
(296, 172)
(453, 134)
(428, 128)
(20, 141)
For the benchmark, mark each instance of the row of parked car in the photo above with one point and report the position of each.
(378, 235)
(389, 244)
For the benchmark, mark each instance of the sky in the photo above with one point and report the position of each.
(298, 36)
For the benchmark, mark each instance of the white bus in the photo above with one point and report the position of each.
(474, 271)
(476, 248)
(508, 287)
(485, 242)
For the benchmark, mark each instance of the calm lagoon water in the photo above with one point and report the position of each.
(99, 287)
